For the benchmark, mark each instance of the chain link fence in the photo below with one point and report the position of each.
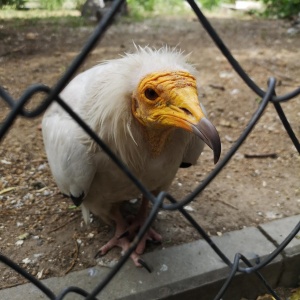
(268, 97)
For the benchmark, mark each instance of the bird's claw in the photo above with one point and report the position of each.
(99, 254)
(135, 257)
(144, 265)
(154, 242)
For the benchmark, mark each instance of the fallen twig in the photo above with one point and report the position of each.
(64, 224)
(263, 155)
(228, 204)
(8, 286)
(274, 72)
(9, 189)
(217, 87)
(75, 257)
(279, 74)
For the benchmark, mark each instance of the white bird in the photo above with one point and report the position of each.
(145, 107)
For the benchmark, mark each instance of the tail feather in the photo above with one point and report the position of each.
(85, 214)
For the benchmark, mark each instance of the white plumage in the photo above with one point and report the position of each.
(109, 97)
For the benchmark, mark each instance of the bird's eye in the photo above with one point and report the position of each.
(150, 94)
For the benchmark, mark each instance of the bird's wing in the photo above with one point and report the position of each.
(71, 163)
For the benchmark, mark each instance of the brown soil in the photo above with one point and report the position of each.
(44, 233)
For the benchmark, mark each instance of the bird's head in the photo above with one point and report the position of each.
(167, 100)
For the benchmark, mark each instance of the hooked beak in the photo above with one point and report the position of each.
(189, 115)
(206, 131)
(174, 103)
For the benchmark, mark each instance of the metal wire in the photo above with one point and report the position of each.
(52, 94)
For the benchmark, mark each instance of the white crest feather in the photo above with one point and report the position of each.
(114, 89)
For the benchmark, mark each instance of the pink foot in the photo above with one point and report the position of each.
(124, 234)
(150, 235)
(124, 244)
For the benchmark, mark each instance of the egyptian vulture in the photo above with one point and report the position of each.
(145, 107)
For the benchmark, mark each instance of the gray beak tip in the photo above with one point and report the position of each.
(209, 134)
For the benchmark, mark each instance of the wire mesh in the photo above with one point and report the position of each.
(52, 94)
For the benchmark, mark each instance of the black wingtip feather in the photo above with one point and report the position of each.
(77, 200)
(185, 165)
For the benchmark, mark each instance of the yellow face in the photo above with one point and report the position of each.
(166, 100)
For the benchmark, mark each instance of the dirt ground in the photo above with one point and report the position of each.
(42, 231)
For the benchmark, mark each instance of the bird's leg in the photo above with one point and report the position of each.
(124, 234)
(136, 223)
(124, 243)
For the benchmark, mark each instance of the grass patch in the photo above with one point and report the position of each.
(139, 10)
(18, 19)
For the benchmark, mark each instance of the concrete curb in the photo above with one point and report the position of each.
(190, 271)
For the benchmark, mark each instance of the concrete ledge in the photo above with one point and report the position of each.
(278, 230)
(190, 271)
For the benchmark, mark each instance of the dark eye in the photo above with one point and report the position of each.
(151, 94)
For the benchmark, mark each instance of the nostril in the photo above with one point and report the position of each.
(186, 111)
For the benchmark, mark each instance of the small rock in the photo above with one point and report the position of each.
(28, 196)
(92, 272)
(46, 193)
(26, 261)
(272, 215)
(23, 236)
(225, 74)
(19, 243)
(235, 92)
(31, 36)
(225, 123)
(37, 255)
(238, 156)
(292, 31)
(228, 138)
(133, 201)
(42, 167)
(163, 268)
(189, 208)
(40, 274)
